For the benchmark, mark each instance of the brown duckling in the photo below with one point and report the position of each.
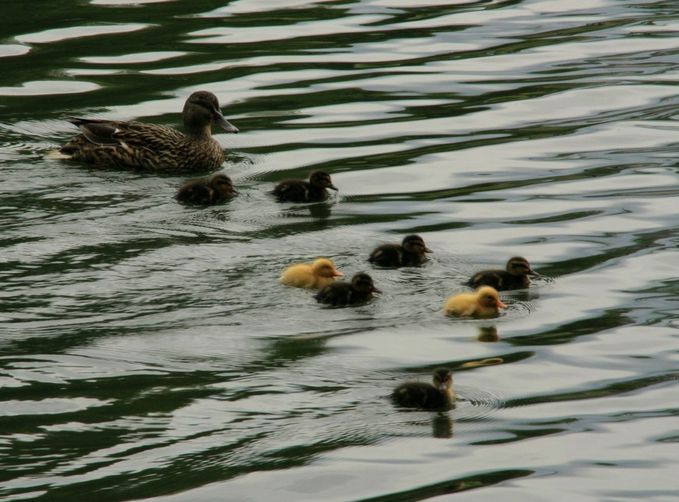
(484, 302)
(313, 190)
(154, 147)
(205, 191)
(410, 253)
(440, 395)
(359, 290)
(316, 275)
(515, 276)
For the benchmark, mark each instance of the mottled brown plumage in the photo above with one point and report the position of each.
(153, 147)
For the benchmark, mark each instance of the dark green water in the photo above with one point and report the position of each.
(147, 349)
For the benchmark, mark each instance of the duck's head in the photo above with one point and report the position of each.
(325, 268)
(321, 179)
(222, 183)
(519, 266)
(488, 297)
(442, 379)
(415, 244)
(201, 110)
(363, 282)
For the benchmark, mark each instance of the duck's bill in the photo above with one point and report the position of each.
(533, 273)
(333, 187)
(427, 250)
(225, 124)
(375, 290)
(337, 273)
(501, 305)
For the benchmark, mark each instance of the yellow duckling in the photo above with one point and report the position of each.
(484, 302)
(316, 275)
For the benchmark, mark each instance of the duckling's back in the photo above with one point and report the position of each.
(299, 276)
(387, 255)
(463, 304)
(420, 395)
(498, 279)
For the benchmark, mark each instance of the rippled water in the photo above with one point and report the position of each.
(148, 350)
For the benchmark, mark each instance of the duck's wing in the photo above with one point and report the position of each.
(100, 132)
(127, 134)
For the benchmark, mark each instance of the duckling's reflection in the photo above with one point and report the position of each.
(320, 210)
(488, 334)
(525, 295)
(442, 426)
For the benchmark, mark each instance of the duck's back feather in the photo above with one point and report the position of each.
(143, 146)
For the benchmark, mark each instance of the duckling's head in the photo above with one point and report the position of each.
(519, 266)
(201, 110)
(415, 244)
(325, 268)
(363, 282)
(488, 297)
(321, 179)
(442, 379)
(222, 183)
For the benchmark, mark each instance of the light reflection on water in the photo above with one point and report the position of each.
(148, 349)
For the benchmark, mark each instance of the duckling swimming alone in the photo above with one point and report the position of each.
(410, 253)
(313, 190)
(316, 275)
(440, 395)
(484, 302)
(205, 191)
(154, 147)
(359, 290)
(515, 276)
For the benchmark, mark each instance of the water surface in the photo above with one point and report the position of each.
(148, 351)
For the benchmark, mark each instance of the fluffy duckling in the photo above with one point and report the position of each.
(304, 191)
(410, 253)
(205, 191)
(440, 395)
(316, 275)
(515, 276)
(154, 147)
(484, 302)
(359, 290)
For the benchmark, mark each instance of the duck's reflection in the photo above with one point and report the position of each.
(320, 210)
(488, 334)
(442, 426)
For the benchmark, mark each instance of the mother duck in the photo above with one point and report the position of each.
(154, 147)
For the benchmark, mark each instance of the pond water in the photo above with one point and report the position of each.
(147, 350)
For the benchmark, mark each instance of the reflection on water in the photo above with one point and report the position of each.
(148, 348)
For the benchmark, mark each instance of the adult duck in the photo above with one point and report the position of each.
(437, 395)
(484, 302)
(514, 276)
(313, 190)
(154, 147)
(410, 253)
